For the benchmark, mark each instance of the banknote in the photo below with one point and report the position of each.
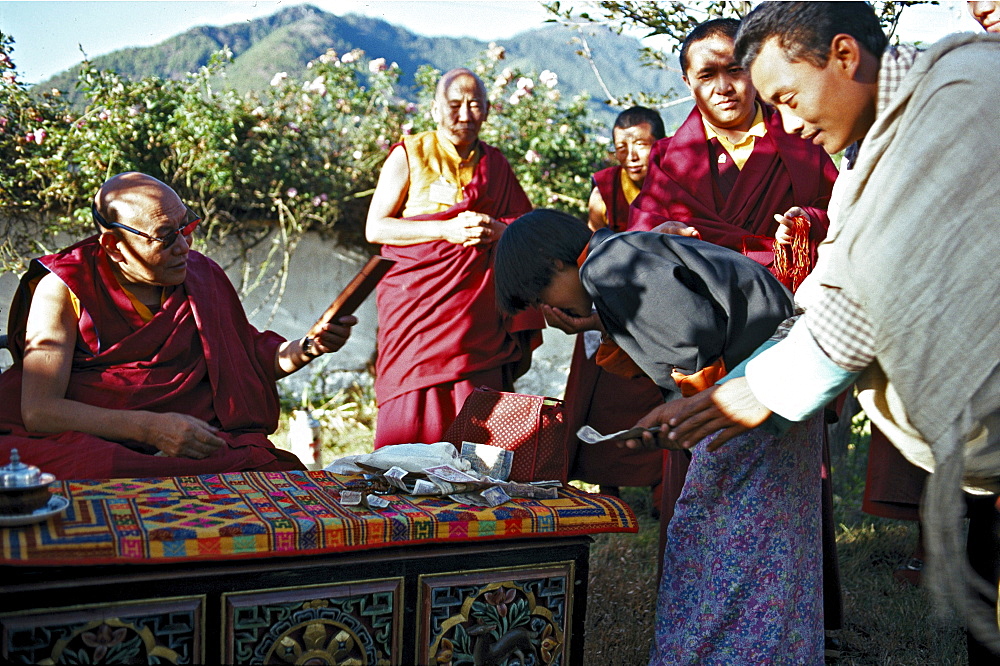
(588, 435)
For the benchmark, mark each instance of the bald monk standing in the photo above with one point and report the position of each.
(442, 201)
(134, 357)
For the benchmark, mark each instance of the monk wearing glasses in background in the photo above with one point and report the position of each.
(134, 357)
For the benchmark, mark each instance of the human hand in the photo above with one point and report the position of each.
(181, 435)
(478, 229)
(730, 408)
(570, 323)
(677, 229)
(331, 336)
(658, 418)
(783, 234)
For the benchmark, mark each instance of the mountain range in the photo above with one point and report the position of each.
(290, 38)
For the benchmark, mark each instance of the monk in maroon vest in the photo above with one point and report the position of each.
(134, 357)
(604, 400)
(442, 200)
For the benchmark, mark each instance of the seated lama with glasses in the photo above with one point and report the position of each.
(133, 355)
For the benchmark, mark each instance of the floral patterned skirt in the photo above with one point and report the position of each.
(742, 570)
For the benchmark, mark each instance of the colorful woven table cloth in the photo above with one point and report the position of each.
(273, 514)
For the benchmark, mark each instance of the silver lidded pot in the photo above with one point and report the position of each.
(23, 488)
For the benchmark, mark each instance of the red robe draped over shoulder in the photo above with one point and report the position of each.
(783, 171)
(438, 318)
(198, 355)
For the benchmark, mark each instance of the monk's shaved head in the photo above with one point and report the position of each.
(133, 197)
(459, 109)
(449, 77)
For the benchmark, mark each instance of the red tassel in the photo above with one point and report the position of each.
(791, 262)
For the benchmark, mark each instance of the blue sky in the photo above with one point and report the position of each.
(49, 34)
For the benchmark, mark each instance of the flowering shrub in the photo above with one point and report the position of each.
(295, 156)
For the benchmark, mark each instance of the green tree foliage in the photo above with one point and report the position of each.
(303, 154)
(673, 20)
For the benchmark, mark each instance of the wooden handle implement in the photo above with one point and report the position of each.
(357, 289)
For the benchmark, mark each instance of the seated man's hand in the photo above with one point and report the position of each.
(677, 229)
(568, 323)
(730, 408)
(783, 235)
(330, 337)
(182, 436)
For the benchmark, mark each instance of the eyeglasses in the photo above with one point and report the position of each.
(191, 221)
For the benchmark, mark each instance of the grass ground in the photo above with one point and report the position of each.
(886, 623)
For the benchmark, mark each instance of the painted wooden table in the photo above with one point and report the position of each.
(272, 568)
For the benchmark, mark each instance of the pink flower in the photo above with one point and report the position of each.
(291, 193)
(377, 65)
(104, 115)
(411, 107)
(40, 135)
(531, 157)
(407, 128)
(317, 201)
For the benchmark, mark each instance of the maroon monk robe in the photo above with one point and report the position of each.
(783, 171)
(438, 319)
(609, 183)
(198, 355)
(893, 485)
(604, 400)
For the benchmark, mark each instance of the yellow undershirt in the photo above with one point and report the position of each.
(740, 152)
(140, 308)
(629, 189)
(438, 175)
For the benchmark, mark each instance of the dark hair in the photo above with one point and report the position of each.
(527, 251)
(638, 115)
(805, 30)
(727, 27)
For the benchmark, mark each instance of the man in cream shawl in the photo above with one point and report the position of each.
(903, 297)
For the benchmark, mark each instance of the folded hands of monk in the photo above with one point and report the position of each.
(469, 228)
